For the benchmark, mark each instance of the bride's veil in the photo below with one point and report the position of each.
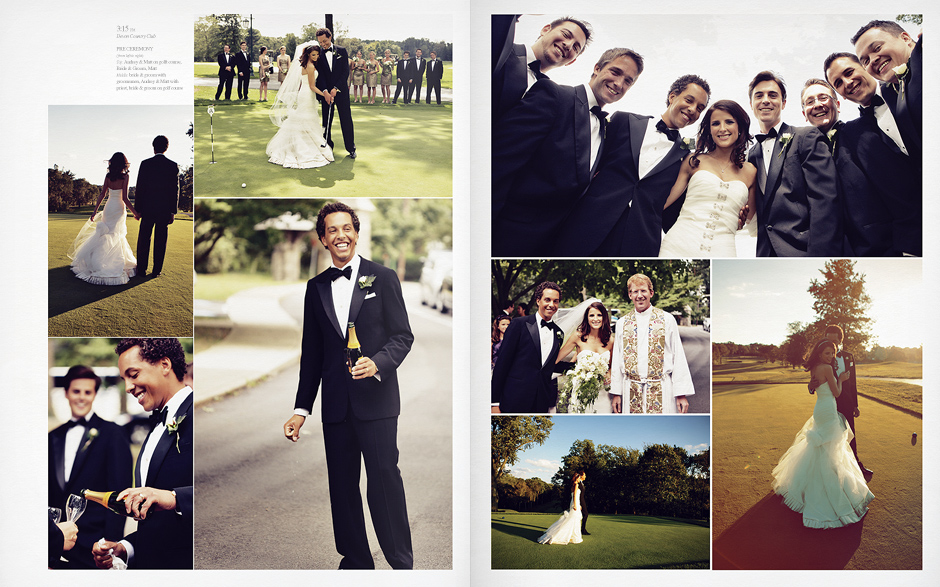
(286, 100)
(570, 321)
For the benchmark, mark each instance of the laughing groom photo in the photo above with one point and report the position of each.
(361, 401)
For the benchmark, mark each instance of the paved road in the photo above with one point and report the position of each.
(263, 503)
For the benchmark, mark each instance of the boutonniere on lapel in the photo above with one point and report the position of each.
(173, 428)
(785, 139)
(559, 334)
(92, 435)
(687, 144)
(901, 71)
(365, 282)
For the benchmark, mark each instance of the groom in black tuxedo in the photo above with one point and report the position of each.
(333, 80)
(584, 510)
(798, 210)
(545, 151)
(404, 75)
(226, 73)
(522, 376)
(243, 64)
(360, 407)
(847, 402)
(162, 497)
(87, 452)
(642, 156)
(156, 202)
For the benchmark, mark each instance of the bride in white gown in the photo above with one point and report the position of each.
(100, 253)
(818, 476)
(299, 142)
(719, 181)
(588, 336)
(567, 529)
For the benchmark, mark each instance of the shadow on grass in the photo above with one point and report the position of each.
(772, 536)
(527, 531)
(739, 389)
(67, 292)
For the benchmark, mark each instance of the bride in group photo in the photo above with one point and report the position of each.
(100, 253)
(588, 341)
(299, 142)
(567, 529)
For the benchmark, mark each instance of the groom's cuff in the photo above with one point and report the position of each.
(301, 412)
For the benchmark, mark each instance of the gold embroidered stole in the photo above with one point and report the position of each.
(650, 400)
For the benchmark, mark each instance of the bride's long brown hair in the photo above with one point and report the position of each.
(305, 57)
(118, 166)
(704, 143)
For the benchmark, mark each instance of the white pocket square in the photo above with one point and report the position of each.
(371, 295)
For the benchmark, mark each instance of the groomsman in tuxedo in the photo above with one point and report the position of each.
(847, 402)
(404, 72)
(360, 406)
(891, 55)
(87, 452)
(522, 376)
(545, 151)
(798, 210)
(420, 65)
(162, 497)
(243, 65)
(641, 161)
(884, 197)
(333, 80)
(435, 72)
(516, 67)
(226, 73)
(156, 201)
(584, 510)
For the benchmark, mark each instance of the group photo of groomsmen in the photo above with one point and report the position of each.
(582, 162)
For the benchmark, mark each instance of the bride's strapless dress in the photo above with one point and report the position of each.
(567, 529)
(100, 253)
(708, 218)
(299, 143)
(818, 475)
(601, 405)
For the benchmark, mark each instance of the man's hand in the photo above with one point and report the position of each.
(70, 533)
(615, 404)
(364, 368)
(857, 413)
(495, 410)
(742, 216)
(103, 558)
(140, 500)
(292, 427)
(682, 404)
(333, 94)
(844, 376)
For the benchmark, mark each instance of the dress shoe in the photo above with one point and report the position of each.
(585, 533)
(352, 154)
(867, 473)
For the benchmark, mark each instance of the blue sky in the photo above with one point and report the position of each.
(691, 432)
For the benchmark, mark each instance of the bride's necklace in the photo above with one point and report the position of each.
(722, 169)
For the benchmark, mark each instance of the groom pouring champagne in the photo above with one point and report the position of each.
(361, 401)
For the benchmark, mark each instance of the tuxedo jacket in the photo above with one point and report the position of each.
(907, 107)
(243, 64)
(406, 70)
(419, 65)
(521, 382)
(434, 74)
(583, 498)
(337, 76)
(510, 81)
(541, 165)
(798, 213)
(158, 188)
(384, 334)
(223, 64)
(165, 539)
(624, 211)
(881, 191)
(102, 463)
(848, 399)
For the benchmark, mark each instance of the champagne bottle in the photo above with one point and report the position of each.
(353, 350)
(108, 499)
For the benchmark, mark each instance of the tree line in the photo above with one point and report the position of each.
(67, 192)
(215, 30)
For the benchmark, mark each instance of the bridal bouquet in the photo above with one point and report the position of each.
(583, 383)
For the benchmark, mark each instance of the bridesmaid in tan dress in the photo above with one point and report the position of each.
(359, 75)
(372, 75)
(264, 63)
(283, 64)
(386, 81)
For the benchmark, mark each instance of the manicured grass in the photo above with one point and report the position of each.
(616, 542)
(219, 286)
(211, 70)
(160, 306)
(403, 151)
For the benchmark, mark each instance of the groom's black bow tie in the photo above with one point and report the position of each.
(157, 417)
(73, 423)
(672, 133)
(545, 324)
(536, 66)
(869, 110)
(333, 273)
(328, 50)
(770, 135)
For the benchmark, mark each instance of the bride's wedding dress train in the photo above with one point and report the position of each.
(100, 253)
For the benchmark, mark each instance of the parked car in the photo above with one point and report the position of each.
(436, 277)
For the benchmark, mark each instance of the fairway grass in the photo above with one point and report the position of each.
(161, 306)
(403, 151)
(615, 542)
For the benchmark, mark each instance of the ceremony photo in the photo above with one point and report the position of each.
(120, 221)
(600, 337)
(107, 453)
(818, 413)
(728, 169)
(350, 302)
(631, 493)
(362, 103)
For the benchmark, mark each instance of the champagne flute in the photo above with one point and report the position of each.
(75, 507)
(55, 514)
